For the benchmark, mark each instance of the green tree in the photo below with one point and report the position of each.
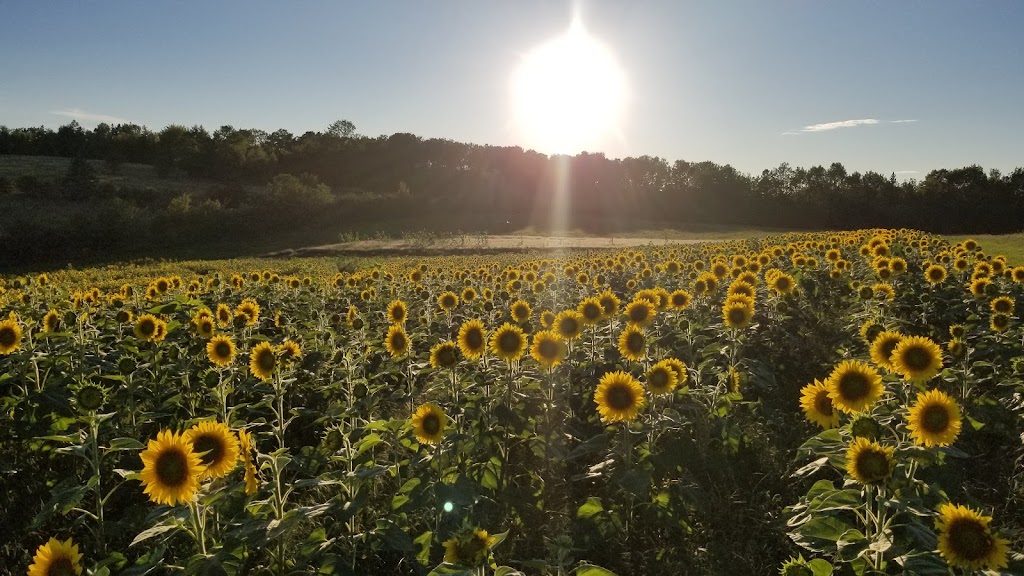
(79, 181)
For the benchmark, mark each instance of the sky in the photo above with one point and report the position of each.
(902, 87)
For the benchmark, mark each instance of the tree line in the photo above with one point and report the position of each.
(337, 176)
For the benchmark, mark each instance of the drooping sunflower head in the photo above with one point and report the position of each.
(428, 423)
(633, 343)
(469, 549)
(508, 342)
(263, 361)
(548, 349)
(10, 336)
(853, 386)
(869, 462)
(472, 339)
(396, 341)
(882, 347)
(917, 358)
(220, 350)
(934, 419)
(619, 397)
(216, 445)
(442, 355)
(817, 405)
(171, 469)
(521, 311)
(569, 324)
(967, 541)
(56, 558)
(661, 378)
(289, 351)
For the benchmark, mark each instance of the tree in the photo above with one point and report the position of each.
(341, 129)
(79, 181)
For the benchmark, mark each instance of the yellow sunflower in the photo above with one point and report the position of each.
(679, 367)
(967, 541)
(171, 469)
(397, 312)
(917, 358)
(521, 311)
(472, 339)
(661, 378)
(999, 322)
(51, 322)
(443, 355)
(853, 386)
(147, 327)
(396, 341)
(817, 405)
(252, 482)
(428, 423)
(610, 303)
(263, 361)
(223, 315)
(56, 558)
(568, 324)
(448, 301)
(680, 299)
(935, 274)
(882, 347)
(619, 397)
(547, 349)
(508, 342)
(633, 343)
(221, 350)
(640, 313)
(934, 419)
(250, 310)
(470, 549)
(737, 314)
(289, 351)
(869, 462)
(204, 326)
(591, 310)
(216, 446)
(10, 336)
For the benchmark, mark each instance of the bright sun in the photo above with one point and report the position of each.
(568, 93)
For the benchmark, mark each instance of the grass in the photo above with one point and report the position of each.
(1009, 245)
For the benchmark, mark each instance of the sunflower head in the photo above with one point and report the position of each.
(999, 322)
(56, 558)
(396, 341)
(854, 386)
(934, 419)
(428, 423)
(737, 313)
(520, 311)
(966, 540)
(869, 462)
(679, 367)
(90, 397)
(917, 358)
(569, 324)
(171, 469)
(471, 548)
(263, 361)
(610, 303)
(508, 342)
(216, 445)
(882, 347)
(591, 310)
(472, 339)
(548, 349)
(10, 336)
(640, 312)
(633, 343)
(443, 355)
(870, 330)
(220, 350)
(662, 378)
(447, 301)
(817, 405)
(619, 397)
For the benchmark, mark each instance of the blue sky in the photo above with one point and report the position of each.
(751, 83)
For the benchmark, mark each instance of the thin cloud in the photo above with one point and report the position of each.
(902, 121)
(826, 126)
(906, 172)
(89, 117)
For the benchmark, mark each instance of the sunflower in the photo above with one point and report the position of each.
(220, 350)
(619, 397)
(448, 301)
(882, 347)
(547, 349)
(782, 283)
(934, 419)
(289, 351)
(680, 299)
(520, 311)
(967, 541)
(884, 291)
(1002, 305)
(870, 330)
(568, 324)
(171, 469)
(216, 446)
(10, 336)
(817, 405)
(252, 482)
(869, 462)
(397, 312)
(508, 342)
(633, 343)
(591, 310)
(263, 361)
(917, 358)
(204, 326)
(396, 341)
(443, 355)
(51, 322)
(853, 386)
(640, 313)
(470, 549)
(147, 327)
(472, 339)
(547, 319)
(428, 423)
(56, 558)
(662, 378)
(610, 303)
(999, 322)
(250, 310)
(935, 274)
(679, 367)
(737, 313)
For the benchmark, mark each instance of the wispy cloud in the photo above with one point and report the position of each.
(906, 172)
(826, 126)
(88, 117)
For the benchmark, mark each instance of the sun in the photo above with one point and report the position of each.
(568, 93)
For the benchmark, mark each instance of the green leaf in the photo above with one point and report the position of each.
(590, 508)
(507, 571)
(154, 531)
(424, 542)
(591, 570)
(825, 528)
(126, 444)
(820, 567)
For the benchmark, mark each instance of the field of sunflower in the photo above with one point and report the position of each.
(804, 404)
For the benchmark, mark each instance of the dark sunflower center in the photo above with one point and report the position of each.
(397, 314)
(854, 386)
(222, 349)
(90, 398)
(51, 322)
(206, 326)
(509, 342)
(872, 466)
(548, 348)
(568, 326)
(638, 314)
(620, 397)
(737, 315)
(448, 302)
(446, 356)
(61, 567)
(147, 327)
(172, 468)
(658, 379)
(474, 339)
(935, 419)
(823, 404)
(431, 424)
(520, 312)
(678, 300)
(635, 342)
(608, 306)
(7, 337)
(935, 274)
(782, 284)
(591, 311)
(888, 346)
(917, 358)
(266, 360)
(398, 341)
(210, 447)
(1000, 321)
(969, 539)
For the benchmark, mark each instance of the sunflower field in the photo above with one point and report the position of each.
(803, 404)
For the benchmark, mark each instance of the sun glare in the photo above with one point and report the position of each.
(568, 93)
